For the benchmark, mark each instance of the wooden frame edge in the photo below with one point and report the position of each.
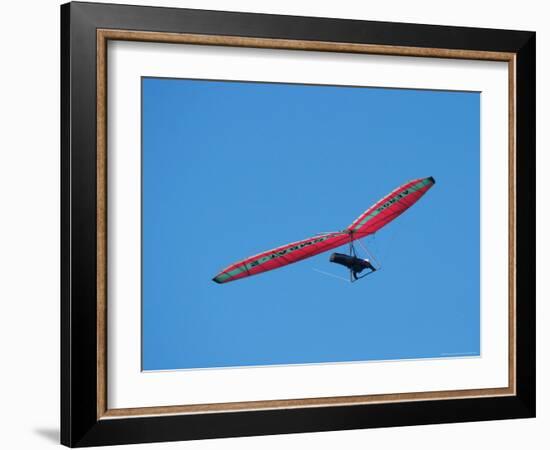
(211, 408)
(282, 44)
(104, 35)
(101, 223)
(512, 200)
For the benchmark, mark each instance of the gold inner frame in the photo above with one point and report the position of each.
(103, 36)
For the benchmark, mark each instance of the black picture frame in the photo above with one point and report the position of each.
(80, 425)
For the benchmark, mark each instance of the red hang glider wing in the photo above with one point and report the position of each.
(390, 207)
(281, 256)
(374, 218)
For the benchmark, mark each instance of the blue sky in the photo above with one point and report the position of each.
(231, 169)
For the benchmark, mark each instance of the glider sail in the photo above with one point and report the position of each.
(281, 256)
(374, 218)
(390, 207)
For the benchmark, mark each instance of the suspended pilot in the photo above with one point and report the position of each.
(356, 265)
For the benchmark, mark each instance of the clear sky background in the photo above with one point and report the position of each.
(231, 169)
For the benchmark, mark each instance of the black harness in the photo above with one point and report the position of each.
(353, 263)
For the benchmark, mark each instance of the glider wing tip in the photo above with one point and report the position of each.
(432, 180)
(216, 279)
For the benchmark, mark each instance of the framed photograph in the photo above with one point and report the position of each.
(277, 224)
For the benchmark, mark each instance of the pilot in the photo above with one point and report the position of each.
(356, 265)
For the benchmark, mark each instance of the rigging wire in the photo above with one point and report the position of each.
(331, 275)
(369, 254)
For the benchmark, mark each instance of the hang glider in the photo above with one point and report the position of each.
(374, 218)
